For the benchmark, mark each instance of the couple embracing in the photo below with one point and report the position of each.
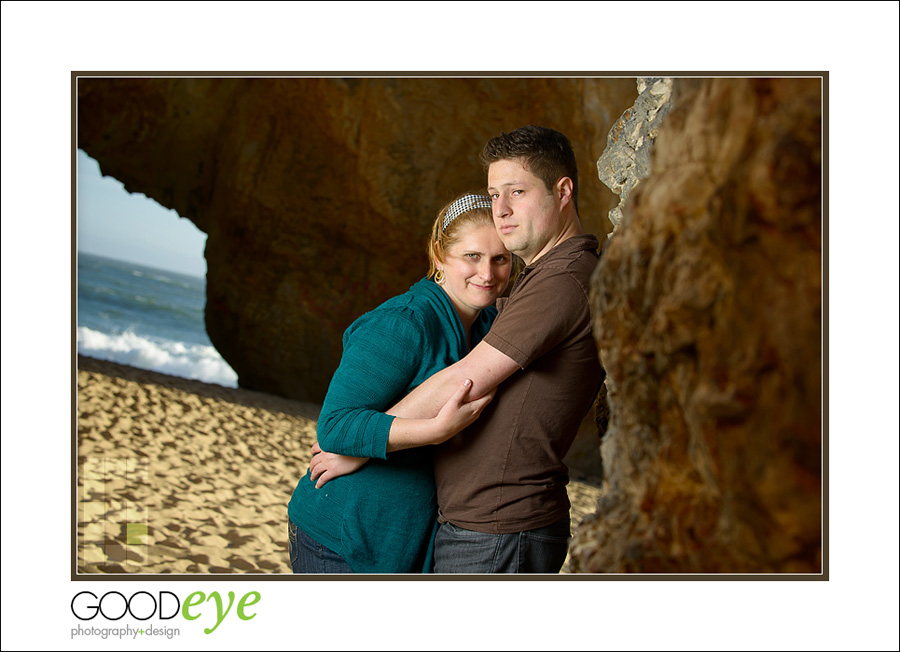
(442, 436)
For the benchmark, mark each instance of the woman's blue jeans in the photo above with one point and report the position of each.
(309, 556)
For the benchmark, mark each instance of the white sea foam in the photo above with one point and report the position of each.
(192, 361)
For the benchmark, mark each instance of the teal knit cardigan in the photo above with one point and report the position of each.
(382, 518)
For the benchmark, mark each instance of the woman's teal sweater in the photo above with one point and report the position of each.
(381, 519)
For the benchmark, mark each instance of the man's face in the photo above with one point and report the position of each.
(526, 214)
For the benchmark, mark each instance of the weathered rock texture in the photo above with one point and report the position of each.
(707, 306)
(626, 159)
(318, 194)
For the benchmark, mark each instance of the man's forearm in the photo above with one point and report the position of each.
(428, 398)
(485, 366)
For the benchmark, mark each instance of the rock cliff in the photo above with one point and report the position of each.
(317, 195)
(626, 159)
(708, 306)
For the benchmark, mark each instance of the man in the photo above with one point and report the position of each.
(501, 483)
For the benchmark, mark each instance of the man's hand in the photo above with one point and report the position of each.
(327, 466)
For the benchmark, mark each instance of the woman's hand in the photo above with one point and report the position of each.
(460, 411)
(327, 466)
(457, 413)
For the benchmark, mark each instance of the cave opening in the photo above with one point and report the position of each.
(141, 282)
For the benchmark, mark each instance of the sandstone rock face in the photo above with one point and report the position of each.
(707, 306)
(317, 195)
(626, 159)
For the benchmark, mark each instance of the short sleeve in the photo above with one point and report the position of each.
(379, 363)
(545, 311)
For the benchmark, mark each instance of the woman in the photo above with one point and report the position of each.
(381, 518)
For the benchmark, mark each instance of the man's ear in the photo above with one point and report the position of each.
(564, 189)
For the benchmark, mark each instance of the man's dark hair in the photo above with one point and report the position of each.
(546, 153)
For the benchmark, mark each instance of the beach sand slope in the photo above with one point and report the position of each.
(179, 476)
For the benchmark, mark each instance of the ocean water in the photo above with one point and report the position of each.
(146, 318)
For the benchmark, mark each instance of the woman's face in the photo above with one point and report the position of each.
(476, 270)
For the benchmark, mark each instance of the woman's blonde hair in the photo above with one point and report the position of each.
(443, 237)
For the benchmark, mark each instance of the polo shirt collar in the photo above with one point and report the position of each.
(566, 248)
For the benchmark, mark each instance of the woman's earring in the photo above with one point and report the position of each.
(439, 277)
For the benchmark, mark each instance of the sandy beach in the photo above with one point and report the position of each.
(180, 476)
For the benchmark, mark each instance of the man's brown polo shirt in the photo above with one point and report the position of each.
(505, 473)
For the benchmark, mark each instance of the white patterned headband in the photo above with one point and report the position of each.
(464, 205)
